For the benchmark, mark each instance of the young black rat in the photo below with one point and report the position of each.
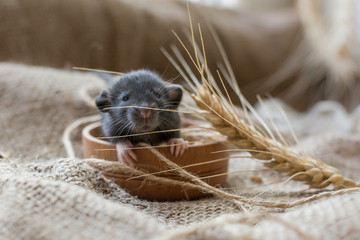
(125, 110)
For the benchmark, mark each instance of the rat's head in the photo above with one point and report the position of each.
(132, 99)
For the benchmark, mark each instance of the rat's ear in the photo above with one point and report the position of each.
(175, 93)
(103, 101)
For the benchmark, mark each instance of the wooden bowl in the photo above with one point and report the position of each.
(148, 162)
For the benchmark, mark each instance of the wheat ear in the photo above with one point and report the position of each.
(310, 170)
(221, 113)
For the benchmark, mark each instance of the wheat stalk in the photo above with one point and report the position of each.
(312, 171)
(220, 112)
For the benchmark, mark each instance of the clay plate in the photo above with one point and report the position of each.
(148, 162)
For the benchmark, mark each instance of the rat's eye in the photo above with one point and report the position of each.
(158, 95)
(125, 98)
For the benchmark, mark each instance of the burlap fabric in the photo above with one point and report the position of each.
(46, 195)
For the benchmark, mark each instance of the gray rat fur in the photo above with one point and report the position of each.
(141, 88)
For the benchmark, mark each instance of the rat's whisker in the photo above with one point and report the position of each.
(89, 113)
(119, 123)
(169, 105)
(122, 128)
(167, 122)
(184, 76)
(145, 133)
(129, 127)
(162, 75)
(157, 109)
(96, 70)
(163, 89)
(140, 134)
(173, 79)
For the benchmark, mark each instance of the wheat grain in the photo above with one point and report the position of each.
(310, 170)
(220, 112)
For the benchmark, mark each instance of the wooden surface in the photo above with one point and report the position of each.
(147, 162)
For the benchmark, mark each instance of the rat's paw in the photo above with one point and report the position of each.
(125, 155)
(178, 146)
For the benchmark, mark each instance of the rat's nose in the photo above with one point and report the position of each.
(145, 113)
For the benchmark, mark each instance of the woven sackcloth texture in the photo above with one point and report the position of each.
(44, 194)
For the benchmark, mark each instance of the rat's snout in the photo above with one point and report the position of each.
(145, 113)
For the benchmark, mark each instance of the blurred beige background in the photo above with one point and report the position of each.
(300, 51)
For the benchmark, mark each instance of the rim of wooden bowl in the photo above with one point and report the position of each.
(86, 133)
(146, 190)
